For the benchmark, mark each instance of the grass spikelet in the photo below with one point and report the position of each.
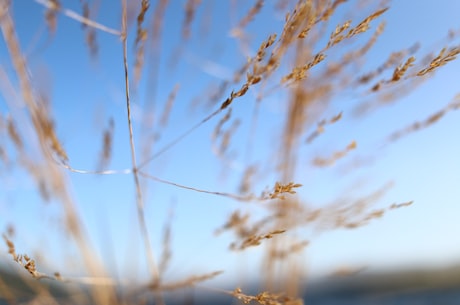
(107, 143)
(400, 205)
(226, 137)
(247, 179)
(13, 134)
(330, 10)
(432, 119)
(265, 298)
(321, 127)
(264, 46)
(337, 36)
(24, 260)
(393, 59)
(365, 24)
(190, 8)
(3, 155)
(400, 71)
(141, 37)
(254, 240)
(297, 25)
(91, 41)
(236, 221)
(279, 189)
(85, 11)
(157, 21)
(141, 34)
(50, 15)
(440, 60)
(11, 249)
(51, 138)
(90, 35)
(322, 162)
(255, 9)
(169, 105)
(294, 248)
(300, 73)
(218, 129)
(188, 282)
(166, 254)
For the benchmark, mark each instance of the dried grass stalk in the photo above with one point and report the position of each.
(190, 9)
(321, 162)
(188, 282)
(440, 60)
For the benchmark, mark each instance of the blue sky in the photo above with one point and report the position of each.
(86, 92)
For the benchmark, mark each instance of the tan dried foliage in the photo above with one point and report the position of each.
(284, 253)
(190, 9)
(365, 24)
(352, 55)
(300, 73)
(322, 162)
(23, 260)
(432, 119)
(50, 15)
(237, 222)
(443, 58)
(107, 145)
(14, 134)
(218, 129)
(157, 21)
(320, 128)
(255, 9)
(401, 70)
(141, 38)
(393, 59)
(90, 35)
(266, 298)
(401, 205)
(280, 189)
(337, 36)
(297, 24)
(4, 156)
(254, 240)
(166, 254)
(11, 249)
(92, 42)
(169, 105)
(247, 180)
(187, 282)
(42, 123)
(308, 101)
(226, 137)
(328, 12)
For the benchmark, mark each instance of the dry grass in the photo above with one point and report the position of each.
(303, 62)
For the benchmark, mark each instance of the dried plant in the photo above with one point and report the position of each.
(291, 77)
(255, 240)
(266, 298)
(336, 156)
(190, 8)
(107, 146)
(440, 60)
(432, 119)
(141, 38)
(51, 15)
(279, 189)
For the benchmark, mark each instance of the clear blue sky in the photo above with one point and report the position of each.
(85, 92)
